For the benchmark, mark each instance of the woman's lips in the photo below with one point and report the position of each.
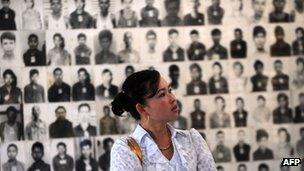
(175, 108)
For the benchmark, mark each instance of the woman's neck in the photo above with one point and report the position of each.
(156, 130)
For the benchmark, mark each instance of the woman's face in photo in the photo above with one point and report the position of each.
(236, 5)
(282, 102)
(219, 104)
(300, 66)
(282, 136)
(8, 79)
(12, 152)
(29, 4)
(127, 3)
(263, 142)
(239, 104)
(57, 41)
(238, 70)
(261, 103)
(217, 70)
(260, 40)
(106, 77)
(259, 6)
(163, 106)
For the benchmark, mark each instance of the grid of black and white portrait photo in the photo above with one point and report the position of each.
(235, 66)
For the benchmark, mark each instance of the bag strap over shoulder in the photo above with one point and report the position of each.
(135, 148)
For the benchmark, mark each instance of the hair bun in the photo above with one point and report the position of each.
(120, 103)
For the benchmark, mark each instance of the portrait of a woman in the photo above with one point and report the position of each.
(148, 97)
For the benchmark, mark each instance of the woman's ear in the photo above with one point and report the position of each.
(140, 108)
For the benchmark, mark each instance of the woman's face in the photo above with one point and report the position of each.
(217, 70)
(82, 76)
(12, 152)
(237, 70)
(282, 136)
(300, 66)
(29, 4)
(127, 3)
(57, 41)
(8, 79)
(163, 106)
(219, 104)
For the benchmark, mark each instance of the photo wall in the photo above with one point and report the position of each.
(235, 66)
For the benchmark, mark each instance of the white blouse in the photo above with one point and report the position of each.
(190, 153)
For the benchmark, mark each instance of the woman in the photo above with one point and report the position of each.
(283, 148)
(58, 55)
(147, 96)
(9, 92)
(31, 19)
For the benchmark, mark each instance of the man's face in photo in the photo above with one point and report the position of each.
(241, 136)
(282, 102)
(82, 76)
(278, 67)
(86, 151)
(5, 3)
(217, 70)
(105, 44)
(260, 40)
(195, 4)
(239, 104)
(194, 37)
(11, 117)
(12, 152)
(79, 4)
(279, 5)
(104, 6)
(195, 75)
(56, 6)
(33, 43)
(216, 38)
(61, 114)
(301, 99)
(107, 77)
(36, 112)
(108, 146)
(8, 46)
(172, 9)
(263, 142)
(84, 113)
(238, 35)
(197, 104)
(280, 35)
(58, 76)
(220, 137)
(216, 2)
(259, 7)
(150, 2)
(173, 39)
(299, 34)
(82, 40)
(8, 79)
(151, 40)
(260, 69)
(61, 150)
(242, 168)
(174, 75)
(236, 5)
(106, 111)
(34, 78)
(37, 154)
(129, 71)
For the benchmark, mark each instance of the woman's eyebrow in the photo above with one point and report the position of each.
(163, 89)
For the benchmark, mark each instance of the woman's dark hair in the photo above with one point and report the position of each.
(286, 132)
(62, 45)
(10, 72)
(138, 87)
(88, 79)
